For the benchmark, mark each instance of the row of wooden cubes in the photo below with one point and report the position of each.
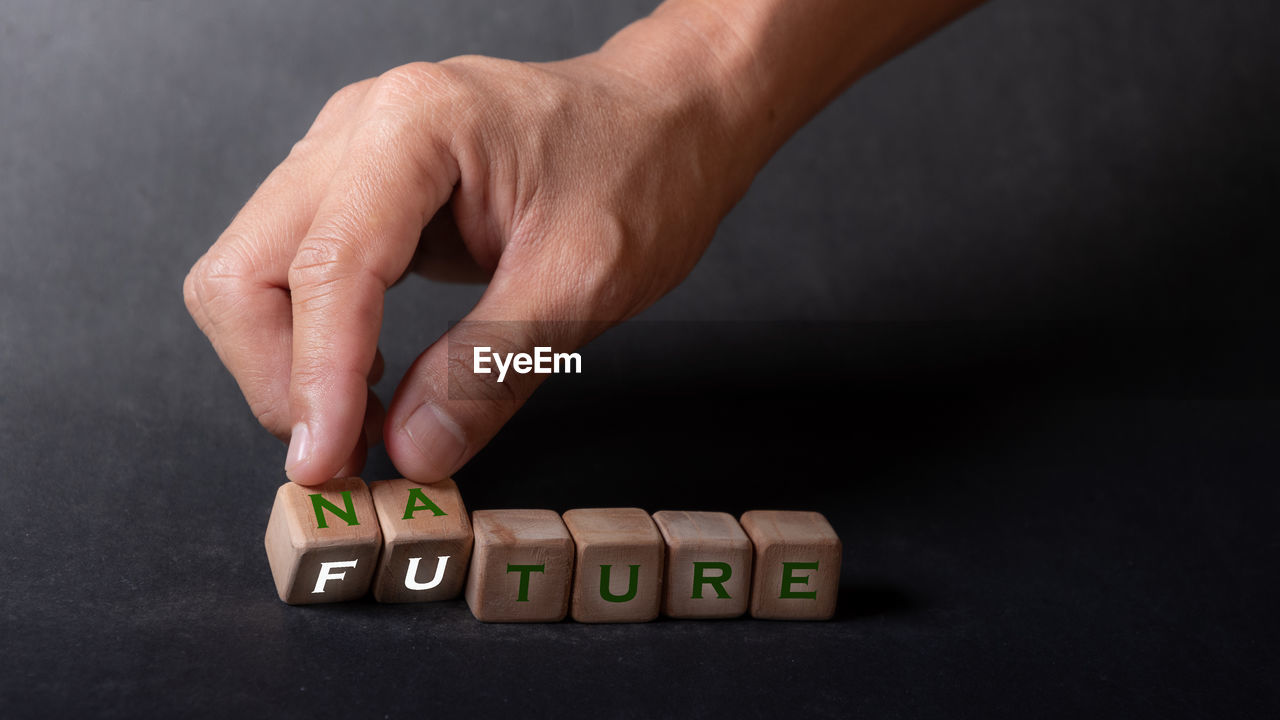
(417, 543)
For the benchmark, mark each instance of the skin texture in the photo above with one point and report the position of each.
(581, 191)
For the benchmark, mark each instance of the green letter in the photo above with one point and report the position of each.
(632, 586)
(522, 595)
(418, 500)
(788, 580)
(716, 582)
(320, 504)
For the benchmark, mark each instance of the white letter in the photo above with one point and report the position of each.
(540, 357)
(326, 576)
(573, 360)
(523, 363)
(478, 358)
(502, 369)
(413, 584)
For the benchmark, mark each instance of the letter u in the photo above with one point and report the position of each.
(411, 582)
(633, 584)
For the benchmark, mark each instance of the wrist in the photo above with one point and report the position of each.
(770, 65)
(700, 74)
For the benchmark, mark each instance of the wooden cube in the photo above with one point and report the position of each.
(521, 566)
(708, 565)
(797, 565)
(426, 541)
(323, 541)
(619, 565)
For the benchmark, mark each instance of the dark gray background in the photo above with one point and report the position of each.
(1027, 268)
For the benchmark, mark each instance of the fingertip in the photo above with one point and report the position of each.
(329, 422)
(302, 478)
(298, 463)
(428, 446)
(299, 447)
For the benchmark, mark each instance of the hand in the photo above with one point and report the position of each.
(582, 190)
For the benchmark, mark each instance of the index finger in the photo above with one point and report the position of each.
(392, 179)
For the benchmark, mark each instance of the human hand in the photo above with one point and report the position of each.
(582, 190)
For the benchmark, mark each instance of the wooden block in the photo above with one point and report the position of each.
(520, 567)
(619, 565)
(797, 565)
(708, 565)
(323, 541)
(426, 541)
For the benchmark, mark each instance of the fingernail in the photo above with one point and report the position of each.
(299, 448)
(437, 437)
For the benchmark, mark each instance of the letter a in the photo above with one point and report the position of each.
(418, 500)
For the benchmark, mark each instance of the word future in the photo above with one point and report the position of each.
(417, 543)
(541, 362)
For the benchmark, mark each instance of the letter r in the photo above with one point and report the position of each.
(717, 581)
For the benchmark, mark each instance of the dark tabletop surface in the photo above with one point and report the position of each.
(1005, 312)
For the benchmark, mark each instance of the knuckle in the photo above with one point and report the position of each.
(189, 295)
(414, 76)
(336, 108)
(273, 416)
(479, 67)
(347, 96)
(499, 399)
(304, 147)
(215, 283)
(321, 261)
(417, 84)
(310, 371)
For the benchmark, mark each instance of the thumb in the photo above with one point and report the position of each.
(449, 406)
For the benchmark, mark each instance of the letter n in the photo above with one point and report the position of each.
(320, 505)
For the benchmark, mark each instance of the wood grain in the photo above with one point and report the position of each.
(427, 522)
(797, 565)
(618, 574)
(713, 549)
(298, 546)
(515, 549)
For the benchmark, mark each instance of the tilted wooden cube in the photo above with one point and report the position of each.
(426, 541)
(618, 577)
(521, 566)
(323, 542)
(708, 565)
(797, 565)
